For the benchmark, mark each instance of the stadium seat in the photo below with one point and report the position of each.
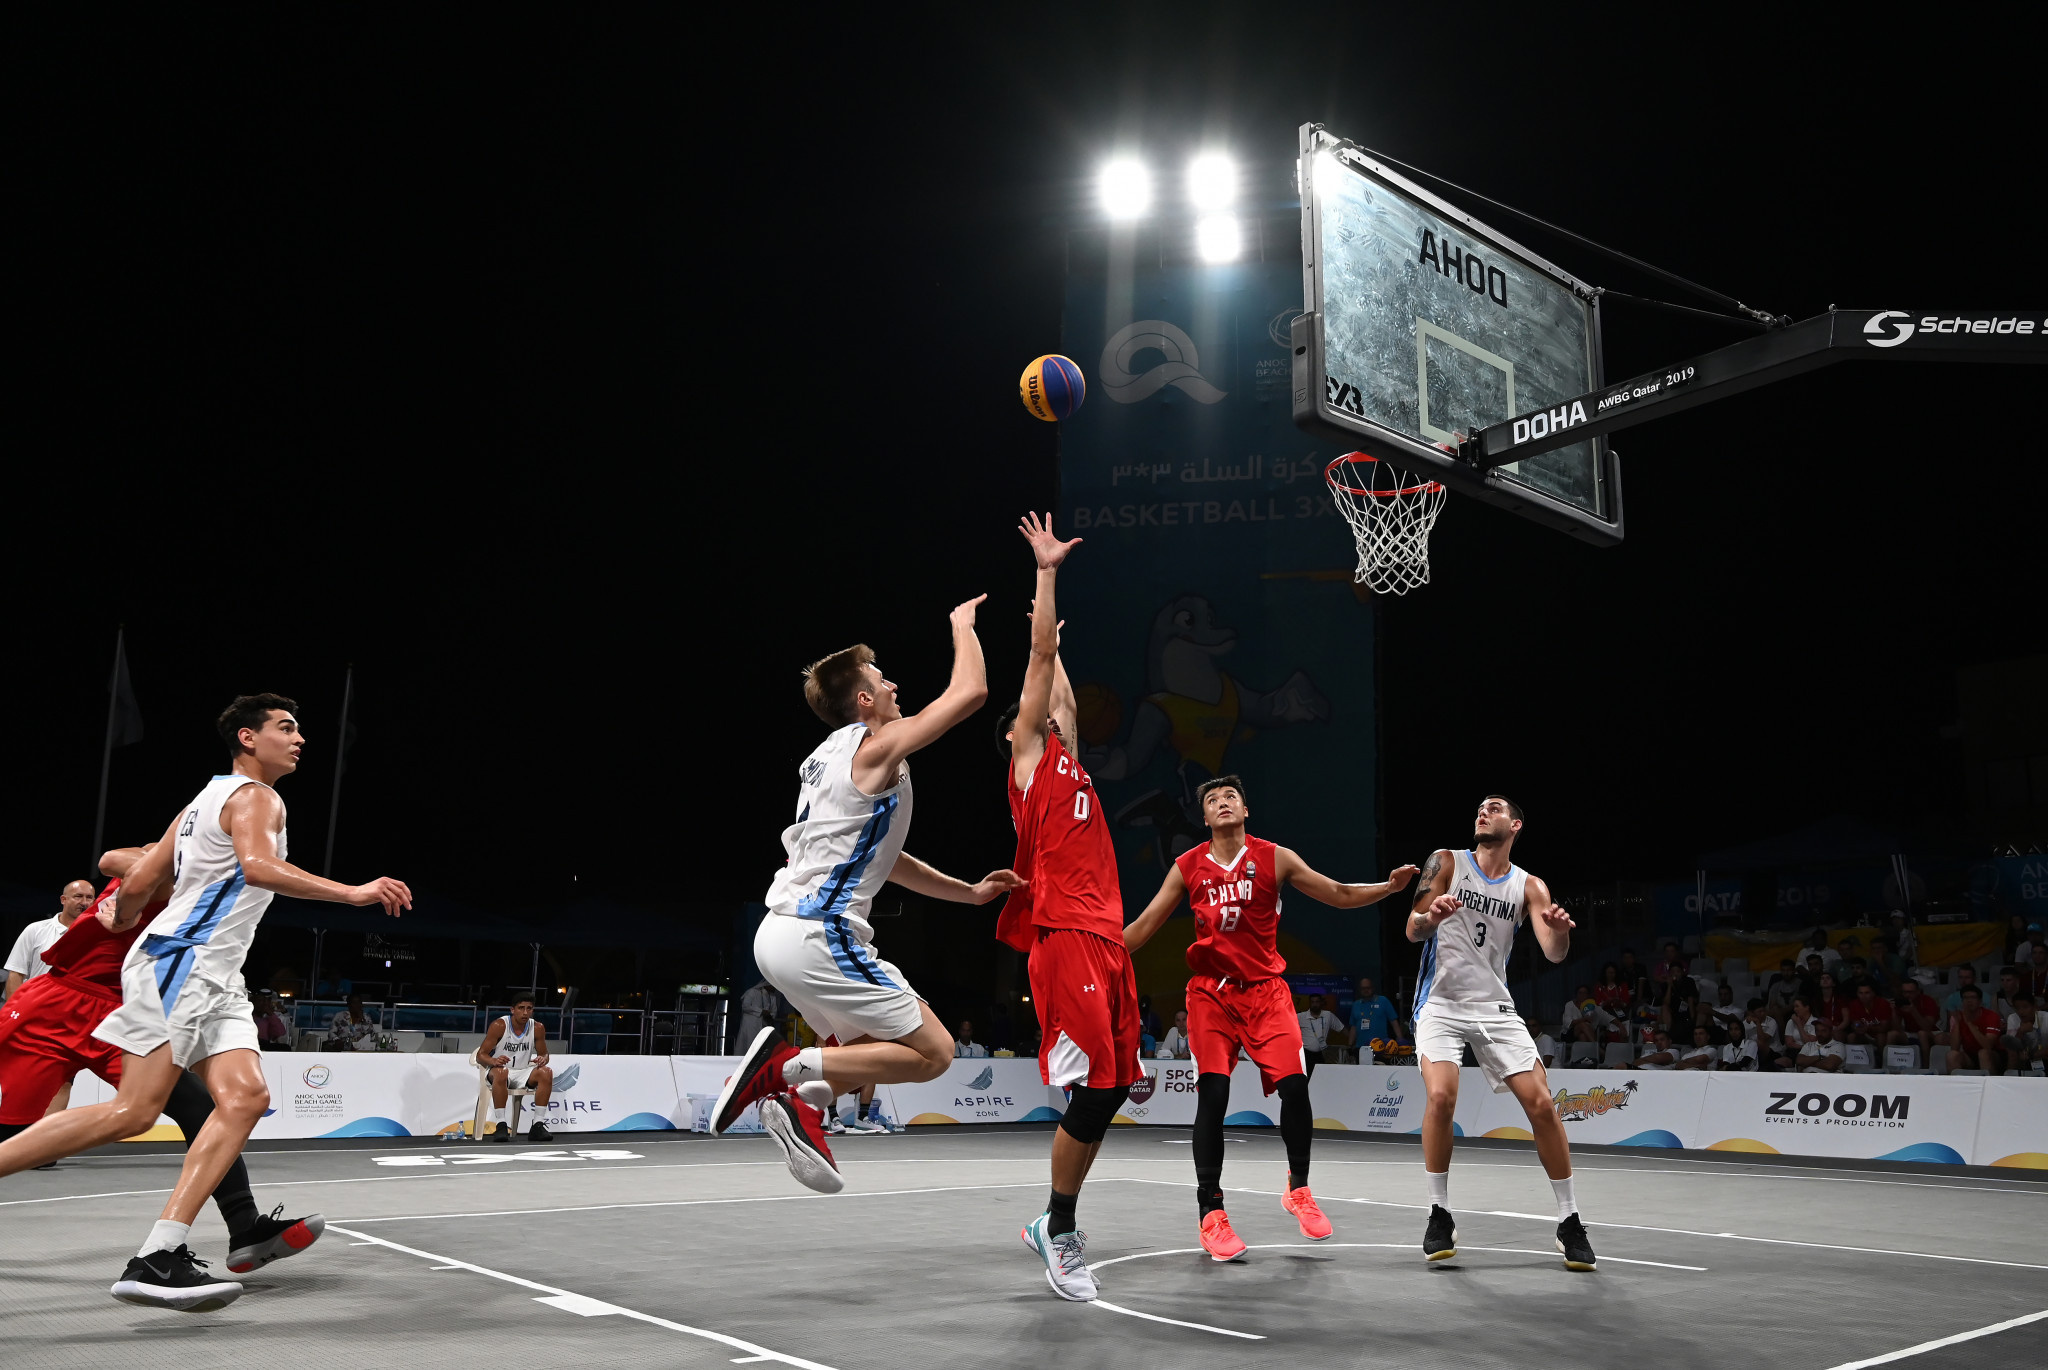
(1618, 1053)
(1583, 1053)
(1856, 1055)
(1703, 965)
(1937, 1060)
(1901, 1059)
(1735, 965)
(1690, 945)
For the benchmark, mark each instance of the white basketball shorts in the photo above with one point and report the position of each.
(1500, 1042)
(172, 999)
(835, 980)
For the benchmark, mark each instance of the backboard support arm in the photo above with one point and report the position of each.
(1836, 336)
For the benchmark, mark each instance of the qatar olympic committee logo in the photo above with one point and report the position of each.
(1180, 369)
(317, 1076)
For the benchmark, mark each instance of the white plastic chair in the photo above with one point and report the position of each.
(1856, 1055)
(484, 1105)
(1620, 1054)
(1583, 1053)
(1901, 1059)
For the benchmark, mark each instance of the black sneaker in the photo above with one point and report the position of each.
(539, 1133)
(501, 1133)
(272, 1239)
(172, 1279)
(1577, 1248)
(1440, 1241)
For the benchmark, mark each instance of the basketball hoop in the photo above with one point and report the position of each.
(1390, 513)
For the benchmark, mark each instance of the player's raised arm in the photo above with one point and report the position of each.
(1321, 888)
(1171, 891)
(920, 878)
(117, 863)
(252, 817)
(1027, 743)
(964, 693)
(1553, 926)
(1434, 901)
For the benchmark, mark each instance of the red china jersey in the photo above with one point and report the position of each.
(88, 952)
(1064, 850)
(1237, 911)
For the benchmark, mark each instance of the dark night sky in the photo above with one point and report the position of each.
(578, 383)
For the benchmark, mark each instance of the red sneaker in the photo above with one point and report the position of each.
(1218, 1240)
(758, 1075)
(1302, 1205)
(799, 1130)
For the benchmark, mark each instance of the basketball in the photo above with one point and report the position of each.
(1052, 388)
(1097, 712)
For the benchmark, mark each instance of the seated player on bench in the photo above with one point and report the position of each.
(515, 1047)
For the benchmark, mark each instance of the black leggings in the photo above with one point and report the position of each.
(189, 1107)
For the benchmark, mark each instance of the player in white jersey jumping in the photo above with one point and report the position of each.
(184, 1005)
(815, 945)
(1468, 908)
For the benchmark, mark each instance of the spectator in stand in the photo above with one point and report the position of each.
(1702, 1054)
(1966, 978)
(1818, 946)
(2008, 986)
(1726, 1014)
(1870, 1018)
(1802, 1025)
(1672, 960)
(1547, 1050)
(1317, 1023)
(1634, 976)
(1916, 1019)
(272, 1032)
(1809, 977)
(2035, 936)
(1783, 984)
(1832, 1004)
(964, 1043)
(1759, 1038)
(2016, 945)
(1373, 1019)
(1148, 1022)
(350, 1026)
(1613, 993)
(760, 1007)
(1860, 972)
(1823, 1055)
(1584, 1019)
(1661, 1055)
(1175, 1043)
(2034, 974)
(1972, 1036)
(1900, 946)
(1678, 1007)
(2026, 1032)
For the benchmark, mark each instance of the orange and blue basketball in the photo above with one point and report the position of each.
(1052, 388)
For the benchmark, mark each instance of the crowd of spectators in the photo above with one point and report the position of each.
(1814, 1009)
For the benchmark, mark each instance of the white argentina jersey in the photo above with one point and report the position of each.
(517, 1045)
(206, 930)
(843, 844)
(1464, 966)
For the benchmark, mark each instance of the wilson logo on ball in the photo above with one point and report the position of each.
(1052, 388)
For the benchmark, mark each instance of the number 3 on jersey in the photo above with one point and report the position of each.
(1479, 933)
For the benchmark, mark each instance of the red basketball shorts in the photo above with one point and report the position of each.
(1086, 994)
(1259, 1017)
(46, 1039)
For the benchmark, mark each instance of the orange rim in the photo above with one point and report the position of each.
(1428, 487)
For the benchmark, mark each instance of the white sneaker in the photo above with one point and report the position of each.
(1066, 1267)
(866, 1125)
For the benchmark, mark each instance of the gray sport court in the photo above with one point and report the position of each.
(667, 1249)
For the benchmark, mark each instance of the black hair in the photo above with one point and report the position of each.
(1220, 782)
(1514, 809)
(249, 711)
(519, 999)
(1006, 723)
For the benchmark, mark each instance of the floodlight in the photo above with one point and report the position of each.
(1212, 181)
(1126, 188)
(1217, 238)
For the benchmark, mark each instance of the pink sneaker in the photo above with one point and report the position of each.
(1219, 1240)
(1302, 1205)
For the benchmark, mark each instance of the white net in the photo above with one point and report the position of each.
(1390, 513)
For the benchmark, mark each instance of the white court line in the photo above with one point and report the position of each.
(589, 1307)
(1386, 1246)
(703, 1203)
(1175, 1322)
(1944, 1341)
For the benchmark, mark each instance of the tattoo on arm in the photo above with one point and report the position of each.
(1425, 886)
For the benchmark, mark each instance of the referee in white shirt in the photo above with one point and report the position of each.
(1317, 1023)
(25, 961)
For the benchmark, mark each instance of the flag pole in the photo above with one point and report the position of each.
(99, 822)
(348, 690)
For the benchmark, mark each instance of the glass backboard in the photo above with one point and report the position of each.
(1422, 325)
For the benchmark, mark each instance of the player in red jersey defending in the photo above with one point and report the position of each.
(1070, 920)
(1237, 999)
(46, 1039)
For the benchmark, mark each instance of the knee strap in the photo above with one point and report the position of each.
(1089, 1112)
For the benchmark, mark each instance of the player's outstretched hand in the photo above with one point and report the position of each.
(1049, 550)
(392, 894)
(1558, 918)
(110, 914)
(1398, 878)
(995, 883)
(1443, 906)
(962, 617)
